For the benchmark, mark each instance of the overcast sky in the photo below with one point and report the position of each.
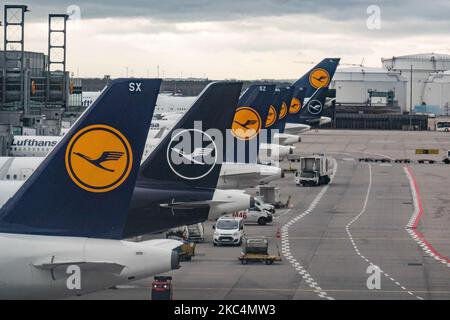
(241, 39)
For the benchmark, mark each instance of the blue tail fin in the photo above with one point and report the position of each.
(286, 94)
(83, 188)
(318, 77)
(191, 153)
(272, 123)
(250, 118)
(310, 92)
(297, 103)
(312, 108)
(278, 111)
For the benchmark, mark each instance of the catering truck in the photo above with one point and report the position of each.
(315, 170)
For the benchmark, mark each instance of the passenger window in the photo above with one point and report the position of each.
(8, 177)
(15, 177)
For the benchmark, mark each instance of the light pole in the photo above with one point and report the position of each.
(411, 99)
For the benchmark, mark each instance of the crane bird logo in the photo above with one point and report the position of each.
(284, 110)
(295, 106)
(98, 158)
(271, 117)
(198, 153)
(247, 123)
(315, 107)
(192, 154)
(319, 78)
(105, 157)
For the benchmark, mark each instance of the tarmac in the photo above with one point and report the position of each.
(378, 231)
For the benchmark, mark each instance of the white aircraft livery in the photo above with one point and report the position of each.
(55, 249)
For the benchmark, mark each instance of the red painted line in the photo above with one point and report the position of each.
(419, 199)
(419, 216)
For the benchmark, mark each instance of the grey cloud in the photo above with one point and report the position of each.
(221, 10)
(400, 18)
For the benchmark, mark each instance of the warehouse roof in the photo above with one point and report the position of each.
(422, 57)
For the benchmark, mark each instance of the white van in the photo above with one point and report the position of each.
(228, 230)
(254, 215)
(259, 203)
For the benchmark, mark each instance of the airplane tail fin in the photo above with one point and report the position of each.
(192, 152)
(278, 112)
(297, 103)
(285, 97)
(83, 188)
(318, 77)
(251, 116)
(312, 108)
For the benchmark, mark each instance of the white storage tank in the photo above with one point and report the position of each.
(353, 84)
(436, 90)
(429, 84)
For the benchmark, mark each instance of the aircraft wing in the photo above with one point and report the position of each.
(313, 120)
(242, 176)
(187, 205)
(100, 266)
(192, 204)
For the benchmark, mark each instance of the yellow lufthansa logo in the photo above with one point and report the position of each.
(319, 78)
(271, 117)
(246, 124)
(295, 106)
(99, 158)
(284, 110)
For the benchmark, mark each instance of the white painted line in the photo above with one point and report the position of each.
(285, 239)
(278, 216)
(350, 236)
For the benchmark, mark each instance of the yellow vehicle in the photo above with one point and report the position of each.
(257, 250)
(187, 251)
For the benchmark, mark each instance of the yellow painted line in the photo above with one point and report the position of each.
(427, 151)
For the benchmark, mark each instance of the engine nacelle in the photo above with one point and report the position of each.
(229, 201)
(269, 153)
(287, 139)
(246, 175)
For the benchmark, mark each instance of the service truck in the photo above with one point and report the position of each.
(315, 170)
